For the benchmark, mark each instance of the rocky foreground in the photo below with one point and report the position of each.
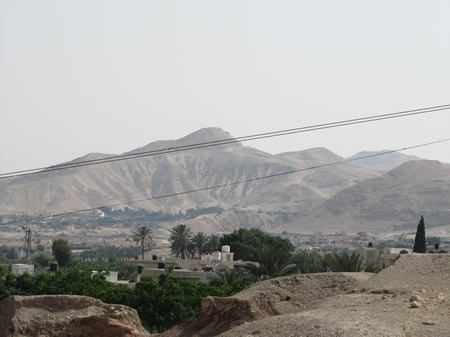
(410, 298)
(68, 316)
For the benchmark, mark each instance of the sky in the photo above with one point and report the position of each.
(110, 76)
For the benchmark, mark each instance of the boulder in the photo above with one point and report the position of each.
(64, 315)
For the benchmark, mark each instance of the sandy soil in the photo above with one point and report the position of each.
(410, 298)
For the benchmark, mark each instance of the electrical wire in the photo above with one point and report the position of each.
(226, 141)
(235, 182)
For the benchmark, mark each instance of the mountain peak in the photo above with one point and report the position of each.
(201, 136)
(205, 135)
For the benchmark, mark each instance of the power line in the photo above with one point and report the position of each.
(227, 141)
(235, 182)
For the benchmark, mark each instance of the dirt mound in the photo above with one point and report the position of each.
(411, 298)
(354, 315)
(63, 315)
(265, 299)
(418, 271)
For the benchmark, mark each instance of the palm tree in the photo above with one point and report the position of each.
(191, 250)
(269, 263)
(343, 262)
(231, 275)
(180, 237)
(142, 236)
(199, 241)
(212, 243)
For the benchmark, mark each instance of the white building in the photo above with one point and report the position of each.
(20, 269)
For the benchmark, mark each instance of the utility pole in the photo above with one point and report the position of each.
(27, 242)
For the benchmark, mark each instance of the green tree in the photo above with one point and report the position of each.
(420, 245)
(143, 237)
(12, 254)
(270, 263)
(342, 262)
(245, 243)
(200, 243)
(308, 262)
(212, 243)
(180, 237)
(42, 260)
(62, 251)
(432, 240)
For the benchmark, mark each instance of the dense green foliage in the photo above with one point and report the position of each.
(8, 254)
(312, 262)
(308, 262)
(270, 263)
(62, 251)
(160, 304)
(126, 271)
(342, 262)
(42, 260)
(432, 240)
(395, 244)
(246, 243)
(420, 244)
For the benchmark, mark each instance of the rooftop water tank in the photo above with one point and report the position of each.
(216, 256)
(225, 249)
(53, 267)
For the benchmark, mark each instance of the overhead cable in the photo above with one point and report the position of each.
(235, 182)
(226, 141)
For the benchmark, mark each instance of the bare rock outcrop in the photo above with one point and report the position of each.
(64, 315)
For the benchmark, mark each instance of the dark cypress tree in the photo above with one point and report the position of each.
(420, 243)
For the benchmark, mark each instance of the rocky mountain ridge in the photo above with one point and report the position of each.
(393, 201)
(160, 175)
(303, 191)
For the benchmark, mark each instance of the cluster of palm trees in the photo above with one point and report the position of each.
(186, 245)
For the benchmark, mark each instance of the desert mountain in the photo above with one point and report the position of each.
(393, 201)
(161, 175)
(383, 163)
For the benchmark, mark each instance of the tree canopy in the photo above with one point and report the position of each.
(199, 241)
(143, 237)
(160, 304)
(420, 243)
(246, 243)
(62, 251)
(180, 238)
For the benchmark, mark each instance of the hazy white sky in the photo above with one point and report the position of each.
(109, 76)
